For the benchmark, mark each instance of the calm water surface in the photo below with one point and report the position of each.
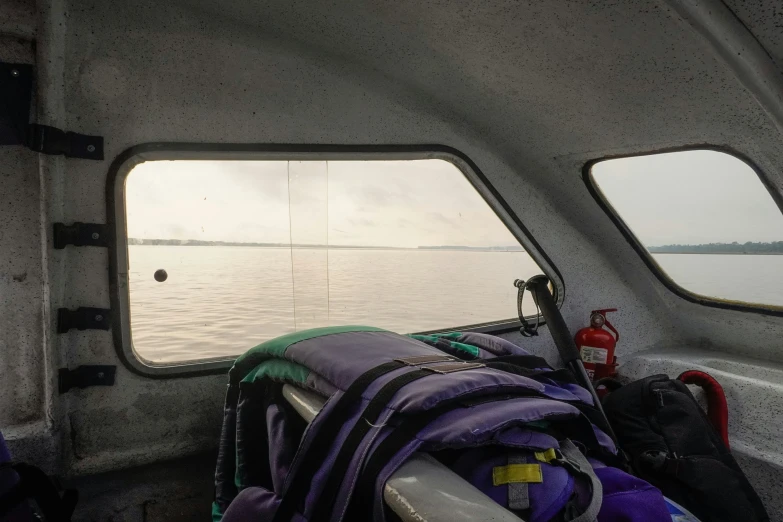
(749, 278)
(220, 301)
(223, 300)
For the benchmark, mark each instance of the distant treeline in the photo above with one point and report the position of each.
(775, 247)
(198, 242)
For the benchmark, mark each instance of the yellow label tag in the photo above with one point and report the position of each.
(515, 473)
(545, 456)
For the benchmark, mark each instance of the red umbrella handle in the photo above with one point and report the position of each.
(717, 409)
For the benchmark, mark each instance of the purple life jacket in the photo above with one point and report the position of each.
(505, 421)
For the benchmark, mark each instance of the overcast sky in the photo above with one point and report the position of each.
(685, 197)
(377, 203)
(691, 197)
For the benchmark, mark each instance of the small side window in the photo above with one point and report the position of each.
(223, 254)
(705, 219)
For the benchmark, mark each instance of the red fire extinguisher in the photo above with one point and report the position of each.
(596, 345)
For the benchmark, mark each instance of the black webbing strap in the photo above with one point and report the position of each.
(311, 460)
(12, 498)
(562, 375)
(225, 469)
(531, 362)
(386, 450)
(34, 483)
(324, 503)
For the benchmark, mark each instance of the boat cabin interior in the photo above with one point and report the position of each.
(181, 181)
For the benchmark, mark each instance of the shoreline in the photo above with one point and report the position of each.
(342, 247)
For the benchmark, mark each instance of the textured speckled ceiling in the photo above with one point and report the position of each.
(539, 79)
(765, 19)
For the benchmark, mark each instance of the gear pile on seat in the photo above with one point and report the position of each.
(524, 434)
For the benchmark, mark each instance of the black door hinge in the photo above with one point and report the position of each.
(51, 140)
(16, 90)
(81, 234)
(84, 376)
(83, 318)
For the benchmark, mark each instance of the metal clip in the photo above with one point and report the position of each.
(416, 360)
(453, 367)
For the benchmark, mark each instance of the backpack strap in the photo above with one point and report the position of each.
(571, 458)
(310, 461)
(406, 431)
(397, 439)
(390, 446)
(577, 463)
(324, 503)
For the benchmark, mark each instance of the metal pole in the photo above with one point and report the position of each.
(539, 287)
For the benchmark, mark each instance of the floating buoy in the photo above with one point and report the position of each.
(161, 275)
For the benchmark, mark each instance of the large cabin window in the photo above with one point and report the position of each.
(224, 254)
(705, 218)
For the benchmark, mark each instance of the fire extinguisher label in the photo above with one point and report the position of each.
(590, 354)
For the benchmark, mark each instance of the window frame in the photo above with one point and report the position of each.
(124, 163)
(646, 256)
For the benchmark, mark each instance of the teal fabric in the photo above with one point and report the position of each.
(217, 515)
(462, 347)
(279, 370)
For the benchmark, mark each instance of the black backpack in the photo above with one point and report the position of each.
(21, 483)
(671, 444)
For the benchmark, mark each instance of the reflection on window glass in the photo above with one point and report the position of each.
(705, 217)
(256, 249)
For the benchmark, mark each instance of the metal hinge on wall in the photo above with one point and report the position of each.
(84, 376)
(83, 318)
(16, 90)
(81, 234)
